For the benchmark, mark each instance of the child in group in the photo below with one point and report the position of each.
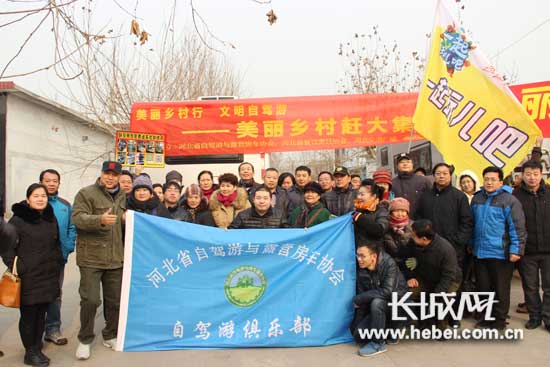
(398, 238)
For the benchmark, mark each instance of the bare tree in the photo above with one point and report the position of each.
(182, 68)
(61, 19)
(372, 66)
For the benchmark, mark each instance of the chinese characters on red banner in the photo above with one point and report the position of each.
(278, 124)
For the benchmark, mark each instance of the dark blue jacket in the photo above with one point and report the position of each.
(67, 231)
(499, 224)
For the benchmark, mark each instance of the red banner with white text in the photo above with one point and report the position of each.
(263, 125)
(266, 125)
(535, 98)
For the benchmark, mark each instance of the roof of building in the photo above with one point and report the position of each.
(11, 88)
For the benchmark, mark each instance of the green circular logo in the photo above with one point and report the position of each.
(245, 285)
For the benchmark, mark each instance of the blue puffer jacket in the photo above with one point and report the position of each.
(67, 231)
(499, 224)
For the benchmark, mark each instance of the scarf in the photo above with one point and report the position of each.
(369, 205)
(193, 213)
(247, 184)
(386, 195)
(113, 192)
(209, 192)
(227, 200)
(398, 225)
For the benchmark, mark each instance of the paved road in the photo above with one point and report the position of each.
(532, 351)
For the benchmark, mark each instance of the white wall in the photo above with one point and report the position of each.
(39, 138)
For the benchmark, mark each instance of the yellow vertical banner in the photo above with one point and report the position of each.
(465, 108)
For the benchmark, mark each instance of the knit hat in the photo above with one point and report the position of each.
(313, 186)
(193, 189)
(142, 181)
(174, 176)
(399, 203)
(382, 176)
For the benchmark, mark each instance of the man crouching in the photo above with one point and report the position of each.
(378, 276)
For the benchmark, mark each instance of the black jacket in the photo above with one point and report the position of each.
(250, 218)
(177, 212)
(380, 283)
(295, 196)
(371, 226)
(8, 238)
(339, 201)
(437, 268)
(279, 196)
(152, 206)
(39, 255)
(398, 246)
(410, 187)
(450, 213)
(200, 215)
(536, 207)
(248, 186)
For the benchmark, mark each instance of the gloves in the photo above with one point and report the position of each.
(411, 263)
(355, 215)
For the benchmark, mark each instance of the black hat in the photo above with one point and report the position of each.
(313, 186)
(342, 171)
(174, 176)
(111, 166)
(402, 156)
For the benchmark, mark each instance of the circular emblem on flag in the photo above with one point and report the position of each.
(455, 49)
(245, 285)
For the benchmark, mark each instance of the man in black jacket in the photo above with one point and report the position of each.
(296, 193)
(378, 277)
(437, 270)
(448, 210)
(341, 199)
(261, 214)
(279, 197)
(408, 185)
(534, 196)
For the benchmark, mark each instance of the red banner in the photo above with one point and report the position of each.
(264, 125)
(535, 98)
(277, 124)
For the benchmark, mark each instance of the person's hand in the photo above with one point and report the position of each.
(514, 257)
(538, 141)
(412, 283)
(139, 169)
(124, 217)
(108, 219)
(411, 263)
(355, 306)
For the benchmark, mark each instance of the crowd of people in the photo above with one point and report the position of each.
(412, 233)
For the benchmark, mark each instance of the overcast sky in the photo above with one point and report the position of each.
(298, 54)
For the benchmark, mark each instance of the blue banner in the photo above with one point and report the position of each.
(187, 286)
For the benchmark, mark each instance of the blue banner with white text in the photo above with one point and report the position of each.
(187, 286)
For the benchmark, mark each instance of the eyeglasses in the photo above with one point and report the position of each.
(491, 179)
